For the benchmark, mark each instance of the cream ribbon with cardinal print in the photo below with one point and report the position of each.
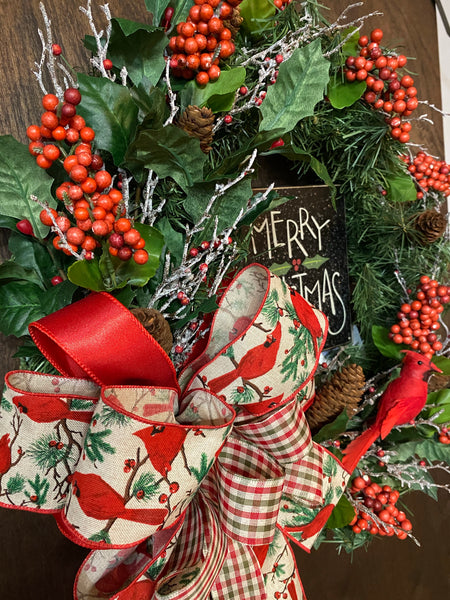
(186, 491)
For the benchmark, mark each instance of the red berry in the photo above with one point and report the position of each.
(72, 96)
(25, 227)
(107, 64)
(56, 49)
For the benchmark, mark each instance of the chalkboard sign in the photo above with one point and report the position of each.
(304, 241)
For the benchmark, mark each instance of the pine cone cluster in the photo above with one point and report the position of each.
(234, 22)
(342, 392)
(431, 224)
(156, 325)
(198, 122)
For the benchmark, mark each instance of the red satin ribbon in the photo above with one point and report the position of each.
(97, 337)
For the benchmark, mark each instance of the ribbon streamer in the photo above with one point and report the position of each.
(184, 489)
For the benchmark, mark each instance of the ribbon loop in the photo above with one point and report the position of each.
(150, 471)
(249, 485)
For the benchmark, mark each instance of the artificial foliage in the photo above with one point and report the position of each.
(179, 158)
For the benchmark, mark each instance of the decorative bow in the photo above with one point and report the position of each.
(187, 489)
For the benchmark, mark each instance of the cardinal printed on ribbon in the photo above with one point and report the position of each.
(188, 487)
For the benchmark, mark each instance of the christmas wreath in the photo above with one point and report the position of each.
(165, 409)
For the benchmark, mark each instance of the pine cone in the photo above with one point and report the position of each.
(198, 122)
(156, 325)
(234, 22)
(343, 391)
(431, 224)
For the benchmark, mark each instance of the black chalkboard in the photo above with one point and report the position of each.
(304, 241)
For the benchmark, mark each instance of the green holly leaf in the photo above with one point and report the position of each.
(342, 93)
(169, 152)
(138, 47)
(151, 102)
(342, 514)
(157, 8)
(217, 95)
(86, 274)
(11, 271)
(174, 240)
(333, 430)
(385, 345)
(31, 254)
(21, 304)
(429, 449)
(442, 400)
(58, 296)
(256, 14)
(401, 188)
(300, 85)
(226, 208)
(110, 110)
(182, 8)
(8, 222)
(294, 153)
(351, 46)
(314, 262)
(20, 177)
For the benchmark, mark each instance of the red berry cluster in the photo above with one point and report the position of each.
(380, 503)
(430, 174)
(418, 321)
(385, 89)
(444, 435)
(96, 211)
(202, 40)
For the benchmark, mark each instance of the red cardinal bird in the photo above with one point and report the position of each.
(256, 362)
(5, 454)
(47, 409)
(98, 500)
(307, 317)
(163, 443)
(400, 403)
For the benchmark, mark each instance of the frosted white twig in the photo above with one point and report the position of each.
(125, 191)
(434, 107)
(63, 243)
(47, 57)
(147, 206)
(102, 46)
(124, 75)
(171, 96)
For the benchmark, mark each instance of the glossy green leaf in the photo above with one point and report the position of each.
(157, 8)
(86, 274)
(430, 449)
(300, 85)
(400, 188)
(314, 262)
(342, 93)
(351, 46)
(21, 304)
(169, 152)
(110, 110)
(332, 430)
(31, 254)
(151, 103)
(20, 177)
(138, 47)
(182, 8)
(12, 271)
(385, 345)
(8, 222)
(58, 296)
(343, 513)
(256, 14)
(217, 95)
(442, 399)
(174, 240)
